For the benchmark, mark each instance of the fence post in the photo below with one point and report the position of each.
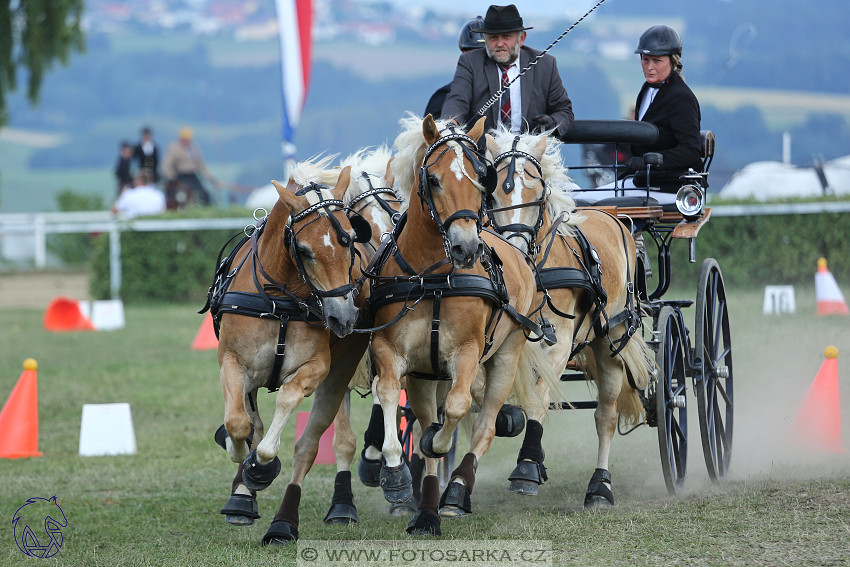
(114, 261)
(40, 238)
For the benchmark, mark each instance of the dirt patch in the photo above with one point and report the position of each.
(37, 289)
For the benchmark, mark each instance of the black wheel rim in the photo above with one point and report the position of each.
(713, 381)
(671, 400)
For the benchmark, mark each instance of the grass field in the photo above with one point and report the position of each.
(780, 505)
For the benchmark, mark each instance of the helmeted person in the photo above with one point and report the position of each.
(667, 102)
(467, 40)
(536, 101)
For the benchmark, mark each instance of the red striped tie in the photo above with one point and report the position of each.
(506, 96)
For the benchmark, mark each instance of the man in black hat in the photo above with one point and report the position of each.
(537, 101)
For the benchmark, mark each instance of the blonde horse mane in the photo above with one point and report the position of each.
(555, 174)
(410, 148)
(316, 169)
(371, 160)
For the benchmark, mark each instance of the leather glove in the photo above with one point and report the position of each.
(545, 122)
(635, 163)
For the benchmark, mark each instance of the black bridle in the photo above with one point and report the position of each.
(483, 169)
(524, 231)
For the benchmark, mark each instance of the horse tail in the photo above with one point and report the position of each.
(536, 384)
(639, 369)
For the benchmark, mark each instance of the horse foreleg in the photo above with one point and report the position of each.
(437, 438)
(609, 383)
(395, 478)
(237, 421)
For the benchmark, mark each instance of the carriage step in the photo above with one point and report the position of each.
(591, 404)
(680, 303)
(573, 377)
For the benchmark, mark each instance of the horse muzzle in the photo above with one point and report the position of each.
(464, 247)
(340, 314)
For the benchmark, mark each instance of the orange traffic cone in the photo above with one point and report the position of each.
(830, 299)
(19, 417)
(325, 456)
(64, 314)
(205, 339)
(818, 423)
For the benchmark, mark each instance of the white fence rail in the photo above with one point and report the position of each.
(31, 229)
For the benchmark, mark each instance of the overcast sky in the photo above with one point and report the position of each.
(527, 9)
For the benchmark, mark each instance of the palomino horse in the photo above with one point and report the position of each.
(585, 269)
(446, 298)
(275, 301)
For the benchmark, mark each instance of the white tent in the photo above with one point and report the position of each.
(265, 197)
(767, 180)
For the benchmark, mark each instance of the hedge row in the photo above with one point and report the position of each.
(751, 252)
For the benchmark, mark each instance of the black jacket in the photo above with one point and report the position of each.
(435, 103)
(675, 112)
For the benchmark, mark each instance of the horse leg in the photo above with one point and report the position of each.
(369, 467)
(609, 381)
(262, 464)
(241, 508)
(530, 472)
(328, 398)
(342, 510)
(437, 438)
(237, 422)
(426, 520)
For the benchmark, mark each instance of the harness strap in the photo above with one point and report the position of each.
(435, 333)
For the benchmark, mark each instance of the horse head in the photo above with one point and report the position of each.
(517, 205)
(320, 240)
(451, 187)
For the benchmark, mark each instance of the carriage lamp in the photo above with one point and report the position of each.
(690, 201)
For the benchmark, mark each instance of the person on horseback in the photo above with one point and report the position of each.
(537, 101)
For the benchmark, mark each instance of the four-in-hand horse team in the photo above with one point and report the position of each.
(456, 266)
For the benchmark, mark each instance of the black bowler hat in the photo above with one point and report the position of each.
(501, 19)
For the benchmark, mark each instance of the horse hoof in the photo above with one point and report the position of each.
(257, 476)
(405, 508)
(280, 532)
(240, 510)
(424, 523)
(341, 514)
(597, 502)
(426, 442)
(455, 501)
(599, 495)
(524, 487)
(221, 437)
(526, 477)
(369, 470)
(510, 421)
(397, 483)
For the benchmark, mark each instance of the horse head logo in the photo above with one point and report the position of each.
(36, 515)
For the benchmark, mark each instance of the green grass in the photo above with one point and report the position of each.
(780, 506)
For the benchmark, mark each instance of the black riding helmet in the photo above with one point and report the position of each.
(659, 40)
(468, 39)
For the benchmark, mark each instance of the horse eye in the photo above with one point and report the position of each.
(305, 252)
(433, 181)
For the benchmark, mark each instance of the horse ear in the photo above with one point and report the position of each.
(429, 130)
(389, 176)
(286, 196)
(539, 148)
(492, 146)
(478, 129)
(342, 183)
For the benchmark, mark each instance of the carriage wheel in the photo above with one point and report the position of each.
(713, 382)
(670, 400)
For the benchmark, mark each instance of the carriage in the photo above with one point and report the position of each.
(700, 362)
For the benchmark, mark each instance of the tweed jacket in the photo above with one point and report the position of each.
(477, 78)
(675, 112)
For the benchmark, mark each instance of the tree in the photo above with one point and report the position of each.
(33, 35)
